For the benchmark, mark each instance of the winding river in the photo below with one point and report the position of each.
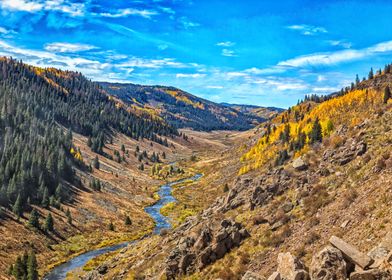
(161, 222)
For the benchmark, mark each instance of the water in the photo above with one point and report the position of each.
(161, 222)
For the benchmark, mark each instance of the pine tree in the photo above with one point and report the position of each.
(34, 219)
(69, 217)
(127, 221)
(387, 94)
(316, 134)
(371, 75)
(111, 226)
(18, 269)
(49, 223)
(32, 266)
(17, 208)
(357, 81)
(45, 198)
(96, 162)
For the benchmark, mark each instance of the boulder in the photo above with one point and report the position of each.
(372, 274)
(351, 253)
(291, 268)
(299, 164)
(328, 264)
(249, 275)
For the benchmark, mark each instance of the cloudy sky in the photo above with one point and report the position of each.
(255, 52)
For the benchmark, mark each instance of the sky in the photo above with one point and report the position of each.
(269, 53)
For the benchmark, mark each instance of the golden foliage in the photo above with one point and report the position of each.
(349, 109)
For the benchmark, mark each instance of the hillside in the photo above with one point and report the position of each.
(181, 109)
(263, 112)
(318, 170)
(69, 155)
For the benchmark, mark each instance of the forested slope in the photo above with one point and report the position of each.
(39, 110)
(182, 109)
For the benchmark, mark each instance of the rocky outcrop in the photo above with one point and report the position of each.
(192, 253)
(340, 261)
(299, 164)
(345, 153)
(328, 264)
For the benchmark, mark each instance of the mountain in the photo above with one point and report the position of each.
(253, 110)
(181, 109)
(304, 196)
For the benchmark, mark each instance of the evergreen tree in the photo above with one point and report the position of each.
(34, 219)
(111, 226)
(32, 267)
(371, 75)
(49, 223)
(17, 208)
(387, 94)
(45, 198)
(69, 217)
(127, 221)
(316, 134)
(96, 162)
(357, 81)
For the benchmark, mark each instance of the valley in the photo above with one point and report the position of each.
(117, 193)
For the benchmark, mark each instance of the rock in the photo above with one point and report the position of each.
(291, 268)
(372, 274)
(277, 225)
(102, 269)
(351, 253)
(345, 224)
(185, 262)
(275, 276)
(300, 275)
(328, 264)
(258, 220)
(249, 275)
(287, 207)
(299, 164)
(378, 252)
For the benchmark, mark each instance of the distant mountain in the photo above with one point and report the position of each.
(182, 109)
(253, 110)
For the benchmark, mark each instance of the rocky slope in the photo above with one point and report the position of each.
(336, 182)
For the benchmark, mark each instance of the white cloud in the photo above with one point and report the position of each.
(324, 89)
(136, 62)
(331, 58)
(308, 30)
(227, 52)
(65, 6)
(226, 44)
(215, 87)
(130, 12)
(68, 47)
(193, 76)
(187, 23)
(340, 43)
(21, 5)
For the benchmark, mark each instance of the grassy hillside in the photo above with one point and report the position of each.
(182, 109)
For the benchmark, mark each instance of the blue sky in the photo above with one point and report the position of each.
(268, 53)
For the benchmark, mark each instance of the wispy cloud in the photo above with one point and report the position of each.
(187, 23)
(308, 30)
(331, 58)
(340, 43)
(65, 6)
(227, 52)
(193, 76)
(130, 12)
(226, 44)
(68, 47)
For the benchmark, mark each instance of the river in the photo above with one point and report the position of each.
(161, 222)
